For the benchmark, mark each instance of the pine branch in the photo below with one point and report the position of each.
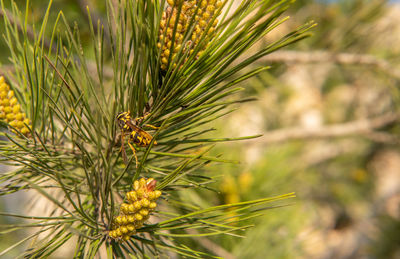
(363, 127)
(211, 246)
(289, 56)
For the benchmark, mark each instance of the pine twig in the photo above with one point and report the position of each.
(211, 246)
(288, 56)
(363, 127)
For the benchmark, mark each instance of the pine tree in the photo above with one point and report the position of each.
(175, 65)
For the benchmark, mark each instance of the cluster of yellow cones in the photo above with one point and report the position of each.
(10, 110)
(203, 13)
(136, 210)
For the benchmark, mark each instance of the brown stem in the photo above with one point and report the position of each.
(326, 56)
(364, 127)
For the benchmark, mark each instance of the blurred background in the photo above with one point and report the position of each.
(328, 110)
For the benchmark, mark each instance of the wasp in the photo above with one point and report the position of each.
(137, 136)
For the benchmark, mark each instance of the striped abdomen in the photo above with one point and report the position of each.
(140, 139)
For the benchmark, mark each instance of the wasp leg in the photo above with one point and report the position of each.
(151, 126)
(122, 142)
(124, 156)
(134, 153)
(142, 118)
(122, 149)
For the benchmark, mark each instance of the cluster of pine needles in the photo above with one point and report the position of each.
(179, 64)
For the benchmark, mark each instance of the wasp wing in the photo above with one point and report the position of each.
(142, 133)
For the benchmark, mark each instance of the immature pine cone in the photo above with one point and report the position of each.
(205, 13)
(10, 109)
(132, 215)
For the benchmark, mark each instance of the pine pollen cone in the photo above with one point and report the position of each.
(140, 202)
(10, 110)
(177, 17)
